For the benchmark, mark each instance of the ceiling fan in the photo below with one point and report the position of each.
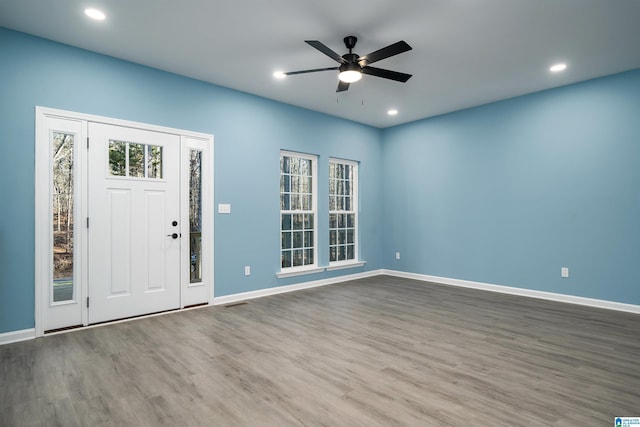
(353, 66)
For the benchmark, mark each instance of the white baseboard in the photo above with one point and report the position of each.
(228, 299)
(15, 336)
(571, 299)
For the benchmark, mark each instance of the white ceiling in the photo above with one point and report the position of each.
(465, 52)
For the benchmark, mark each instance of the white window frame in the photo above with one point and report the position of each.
(355, 209)
(309, 268)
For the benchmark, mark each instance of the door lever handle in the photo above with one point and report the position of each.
(173, 236)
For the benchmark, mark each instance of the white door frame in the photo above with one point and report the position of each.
(43, 224)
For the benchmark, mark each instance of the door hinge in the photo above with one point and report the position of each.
(87, 143)
(87, 222)
(87, 302)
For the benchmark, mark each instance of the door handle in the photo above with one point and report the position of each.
(173, 236)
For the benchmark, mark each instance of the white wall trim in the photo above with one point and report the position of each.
(15, 336)
(551, 296)
(227, 299)
(73, 115)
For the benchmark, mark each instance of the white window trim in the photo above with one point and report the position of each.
(356, 262)
(309, 268)
(341, 265)
(299, 271)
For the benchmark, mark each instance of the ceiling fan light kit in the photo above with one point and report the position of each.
(350, 73)
(353, 66)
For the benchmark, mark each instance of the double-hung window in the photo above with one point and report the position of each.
(298, 211)
(343, 211)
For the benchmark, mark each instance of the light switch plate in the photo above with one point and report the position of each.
(224, 208)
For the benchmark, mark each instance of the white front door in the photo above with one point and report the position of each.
(134, 234)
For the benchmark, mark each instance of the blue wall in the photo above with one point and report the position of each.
(506, 193)
(249, 132)
(510, 192)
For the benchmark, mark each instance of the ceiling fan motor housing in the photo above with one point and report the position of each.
(352, 58)
(350, 66)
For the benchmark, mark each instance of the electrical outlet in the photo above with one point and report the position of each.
(397, 255)
(247, 270)
(564, 272)
(224, 208)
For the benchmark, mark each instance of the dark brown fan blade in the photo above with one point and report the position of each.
(386, 52)
(291, 73)
(327, 51)
(386, 74)
(342, 86)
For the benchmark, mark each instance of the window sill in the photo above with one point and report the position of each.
(299, 272)
(351, 264)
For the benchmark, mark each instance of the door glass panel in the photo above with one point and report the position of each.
(117, 158)
(62, 211)
(195, 215)
(136, 160)
(154, 161)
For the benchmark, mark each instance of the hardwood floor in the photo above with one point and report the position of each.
(374, 352)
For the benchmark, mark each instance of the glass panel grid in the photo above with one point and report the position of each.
(134, 160)
(342, 211)
(297, 212)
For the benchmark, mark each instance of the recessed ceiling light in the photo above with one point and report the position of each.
(279, 75)
(556, 68)
(392, 112)
(96, 14)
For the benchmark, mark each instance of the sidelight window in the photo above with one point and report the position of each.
(63, 215)
(195, 215)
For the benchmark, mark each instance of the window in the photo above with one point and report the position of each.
(298, 207)
(343, 211)
(135, 160)
(195, 215)
(63, 215)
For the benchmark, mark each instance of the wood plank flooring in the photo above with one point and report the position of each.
(382, 351)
